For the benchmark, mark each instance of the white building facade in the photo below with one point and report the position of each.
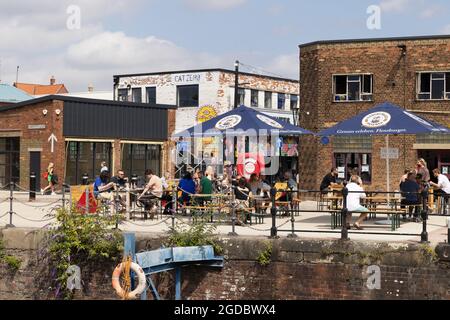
(203, 94)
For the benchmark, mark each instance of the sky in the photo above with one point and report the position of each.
(83, 42)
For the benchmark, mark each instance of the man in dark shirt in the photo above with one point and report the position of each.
(329, 179)
(120, 179)
(410, 193)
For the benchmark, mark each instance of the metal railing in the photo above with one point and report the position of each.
(280, 214)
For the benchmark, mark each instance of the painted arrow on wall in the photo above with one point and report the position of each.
(52, 139)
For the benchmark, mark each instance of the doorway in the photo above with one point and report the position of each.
(437, 159)
(35, 166)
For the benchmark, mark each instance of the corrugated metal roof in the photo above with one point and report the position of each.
(11, 94)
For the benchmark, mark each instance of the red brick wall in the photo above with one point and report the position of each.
(299, 269)
(319, 62)
(16, 121)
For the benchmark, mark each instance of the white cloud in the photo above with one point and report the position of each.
(214, 4)
(394, 5)
(431, 12)
(116, 50)
(286, 65)
(446, 29)
(34, 36)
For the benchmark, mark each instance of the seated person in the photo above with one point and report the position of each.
(410, 189)
(329, 179)
(153, 191)
(206, 187)
(290, 184)
(356, 193)
(187, 186)
(254, 184)
(443, 187)
(103, 188)
(120, 180)
(241, 192)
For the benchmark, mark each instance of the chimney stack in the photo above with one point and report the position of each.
(90, 87)
(52, 80)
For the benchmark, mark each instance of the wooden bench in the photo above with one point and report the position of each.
(336, 218)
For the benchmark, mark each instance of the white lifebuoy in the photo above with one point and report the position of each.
(141, 278)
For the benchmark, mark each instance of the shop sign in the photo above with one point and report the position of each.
(389, 153)
(36, 126)
(187, 78)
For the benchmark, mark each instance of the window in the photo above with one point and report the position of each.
(433, 86)
(86, 157)
(281, 101)
(433, 138)
(294, 101)
(353, 87)
(360, 163)
(187, 96)
(123, 94)
(241, 96)
(151, 95)
(254, 98)
(136, 94)
(139, 157)
(9, 160)
(268, 100)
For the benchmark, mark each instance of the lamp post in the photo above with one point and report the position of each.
(236, 84)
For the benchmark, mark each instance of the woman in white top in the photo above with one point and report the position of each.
(356, 193)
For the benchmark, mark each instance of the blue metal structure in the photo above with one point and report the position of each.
(167, 259)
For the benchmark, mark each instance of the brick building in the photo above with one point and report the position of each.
(77, 134)
(200, 94)
(339, 79)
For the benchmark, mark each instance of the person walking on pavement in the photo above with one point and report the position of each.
(49, 177)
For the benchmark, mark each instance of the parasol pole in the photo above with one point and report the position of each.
(388, 182)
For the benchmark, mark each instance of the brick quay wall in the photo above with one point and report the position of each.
(298, 269)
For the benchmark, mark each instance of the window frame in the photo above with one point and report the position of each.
(136, 89)
(123, 90)
(278, 100)
(198, 95)
(146, 94)
(362, 93)
(252, 92)
(296, 100)
(431, 73)
(270, 94)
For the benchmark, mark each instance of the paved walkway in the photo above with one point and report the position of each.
(35, 215)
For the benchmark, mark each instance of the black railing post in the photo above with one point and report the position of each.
(11, 197)
(273, 212)
(116, 206)
(64, 195)
(174, 205)
(344, 213)
(32, 187)
(448, 230)
(292, 235)
(233, 214)
(424, 235)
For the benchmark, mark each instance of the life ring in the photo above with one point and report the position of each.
(140, 287)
